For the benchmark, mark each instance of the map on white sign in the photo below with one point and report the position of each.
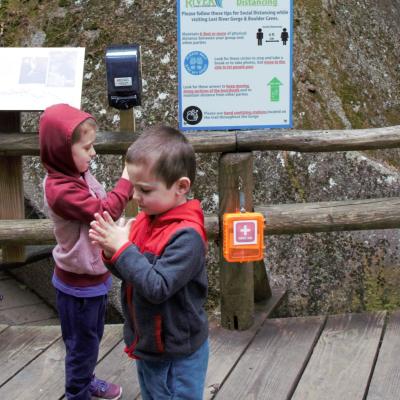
(235, 64)
(33, 78)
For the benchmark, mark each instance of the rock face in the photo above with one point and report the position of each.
(346, 75)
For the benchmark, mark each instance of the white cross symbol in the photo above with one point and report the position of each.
(245, 230)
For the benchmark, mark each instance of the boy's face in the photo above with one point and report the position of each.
(83, 150)
(152, 194)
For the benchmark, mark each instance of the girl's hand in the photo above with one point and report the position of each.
(107, 234)
(125, 173)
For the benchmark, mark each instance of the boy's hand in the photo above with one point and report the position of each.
(107, 234)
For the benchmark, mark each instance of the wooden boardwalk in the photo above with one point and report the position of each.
(343, 357)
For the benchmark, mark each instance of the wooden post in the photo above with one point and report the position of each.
(128, 124)
(127, 121)
(262, 289)
(236, 279)
(11, 185)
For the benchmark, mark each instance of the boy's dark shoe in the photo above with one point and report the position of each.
(104, 390)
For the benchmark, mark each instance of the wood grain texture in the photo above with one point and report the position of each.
(16, 295)
(319, 140)
(29, 314)
(19, 345)
(343, 358)
(385, 383)
(281, 219)
(3, 327)
(331, 216)
(227, 346)
(274, 361)
(14, 143)
(44, 378)
(11, 186)
(40, 231)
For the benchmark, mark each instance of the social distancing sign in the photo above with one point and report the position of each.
(235, 64)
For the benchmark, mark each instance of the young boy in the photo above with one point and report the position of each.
(72, 196)
(160, 258)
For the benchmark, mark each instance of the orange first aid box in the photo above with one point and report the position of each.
(243, 236)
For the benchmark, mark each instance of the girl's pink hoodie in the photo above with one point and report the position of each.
(71, 198)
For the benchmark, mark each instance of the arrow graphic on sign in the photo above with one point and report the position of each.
(274, 84)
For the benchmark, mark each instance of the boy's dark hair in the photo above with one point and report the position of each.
(167, 151)
(76, 134)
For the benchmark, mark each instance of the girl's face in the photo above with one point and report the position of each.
(83, 150)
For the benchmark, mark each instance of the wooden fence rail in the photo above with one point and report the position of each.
(330, 216)
(16, 144)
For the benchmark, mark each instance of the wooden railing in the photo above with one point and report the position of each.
(240, 283)
(16, 144)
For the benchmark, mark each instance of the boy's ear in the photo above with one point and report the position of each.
(183, 185)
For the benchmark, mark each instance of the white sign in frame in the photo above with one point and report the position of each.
(235, 64)
(33, 78)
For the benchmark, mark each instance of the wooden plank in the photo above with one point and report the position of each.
(26, 231)
(11, 186)
(44, 378)
(33, 254)
(16, 295)
(262, 288)
(274, 360)
(348, 215)
(27, 314)
(40, 231)
(343, 358)
(330, 216)
(19, 345)
(226, 346)
(319, 140)
(46, 322)
(118, 368)
(385, 383)
(13, 143)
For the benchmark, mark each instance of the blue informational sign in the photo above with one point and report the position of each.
(235, 64)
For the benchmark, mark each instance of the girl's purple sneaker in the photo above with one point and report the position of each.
(105, 390)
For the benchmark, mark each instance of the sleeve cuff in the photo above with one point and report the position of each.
(115, 256)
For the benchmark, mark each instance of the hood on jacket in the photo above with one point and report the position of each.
(189, 212)
(56, 126)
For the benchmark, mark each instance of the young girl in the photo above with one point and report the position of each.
(72, 196)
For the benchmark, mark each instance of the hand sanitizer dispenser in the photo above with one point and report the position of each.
(124, 76)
